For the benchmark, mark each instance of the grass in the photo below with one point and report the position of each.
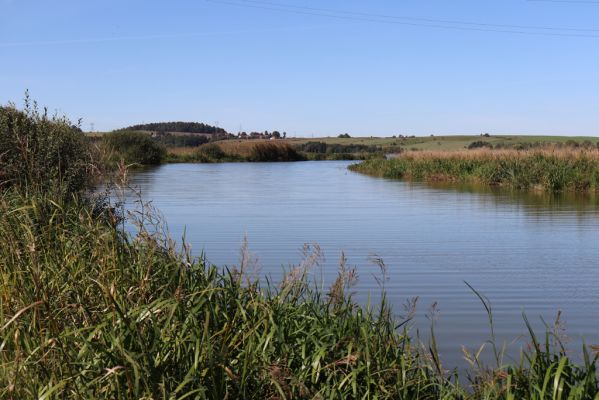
(451, 143)
(550, 169)
(236, 150)
(90, 311)
(363, 148)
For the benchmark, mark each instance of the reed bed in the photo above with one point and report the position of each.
(236, 150)
(90, 311)
(546, 169)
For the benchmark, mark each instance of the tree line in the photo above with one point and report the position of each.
(178, 126)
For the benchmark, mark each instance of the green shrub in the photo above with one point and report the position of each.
(134, 147)
(210, 153)
(480, 144)
(38, 152)
(263, 152)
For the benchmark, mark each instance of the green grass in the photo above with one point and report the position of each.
(88, 311)
(547, 170)
(450, 143)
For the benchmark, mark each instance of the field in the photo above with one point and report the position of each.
(448, 143)
(367, 147)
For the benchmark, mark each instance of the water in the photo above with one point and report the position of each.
(529, 253)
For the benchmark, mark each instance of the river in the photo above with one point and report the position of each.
(527, 252)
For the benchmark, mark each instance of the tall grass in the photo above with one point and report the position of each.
(246, 150)
(550, 169)
(88, 311)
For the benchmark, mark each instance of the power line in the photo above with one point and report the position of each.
(566, 1)
(453, 25)
(443, 21)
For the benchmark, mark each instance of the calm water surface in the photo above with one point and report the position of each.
(527, 253)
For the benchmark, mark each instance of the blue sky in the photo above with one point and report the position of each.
(378, 67)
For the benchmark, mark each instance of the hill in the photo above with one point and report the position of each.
(178, 126)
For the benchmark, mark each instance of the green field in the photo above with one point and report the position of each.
(448, 143)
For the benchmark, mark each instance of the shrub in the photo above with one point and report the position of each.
(210, 153)
(274, 152)
(480, 144)
(134, 147)
(182, 140)
(38, 152)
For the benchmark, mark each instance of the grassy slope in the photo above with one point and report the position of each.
(446, 143)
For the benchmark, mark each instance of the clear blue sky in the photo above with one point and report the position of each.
(378, 67)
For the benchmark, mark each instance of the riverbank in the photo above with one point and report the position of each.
(91, 311)
(549, 169)
(272, 151)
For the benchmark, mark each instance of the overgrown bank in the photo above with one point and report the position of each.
(88, 311)
(550, 170)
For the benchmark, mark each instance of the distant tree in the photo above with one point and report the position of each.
(480, 144)
(134, 147)
(344, 136)
(276, 134)
(178, 126)
(587, 144)
(284, 135)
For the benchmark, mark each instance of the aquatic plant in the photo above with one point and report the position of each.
(266, 151)
(89, 311)
(549, 169)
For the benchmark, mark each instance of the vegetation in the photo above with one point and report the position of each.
(181, 140)
(238, 150)
(187, 127)
(90, 311)
(133, 147)
(480, 144)
(339, 151)
(459, 142)
(550, 170)
(266, 151)
(37, 152)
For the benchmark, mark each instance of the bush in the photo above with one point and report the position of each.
(38, 152)
(182, 140)
(274, 152)
(210, 153)
(344, 136)
(480, 144)
(134, 147)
